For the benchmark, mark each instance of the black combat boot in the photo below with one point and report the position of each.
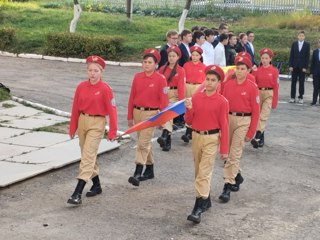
(167, 145)
(76, 196)
(207, 204)
(135, 179)
(148, 173)
(187, 136)
(225, 195)
(236, 187)
(163, 138)
(255, 141)
(96, 187)
(195, 215)
(261, 142)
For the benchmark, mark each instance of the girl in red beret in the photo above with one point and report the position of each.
(93, 101)
(267, 79)
(148, 95)
(175, 76)
(207, 112)
(195, 75)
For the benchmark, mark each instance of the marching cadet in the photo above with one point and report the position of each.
(267, 80)
(195, 75)
(93, 101)
(148, 95)
(207, 112)
(243, 98)
(175, 76)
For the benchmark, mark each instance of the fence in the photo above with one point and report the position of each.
(283, 6)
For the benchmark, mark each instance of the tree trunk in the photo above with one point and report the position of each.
(129, 10)
(184, 15)
(76, 15)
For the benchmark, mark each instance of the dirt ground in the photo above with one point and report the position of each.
(279, 199)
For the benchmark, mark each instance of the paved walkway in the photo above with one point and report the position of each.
(25, 153)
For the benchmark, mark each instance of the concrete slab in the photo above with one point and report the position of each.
(7, 151)
(20, 111)
(60, 154)
(9, 102)
(37, 139)
(36, 121)
(14, 172)
(10, 132)
(4, 118)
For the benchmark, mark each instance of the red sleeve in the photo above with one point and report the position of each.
(112, 112)
(74, 114)
(164, 101)
(181, 84)
(130, 102)
(224, 128)
(255, 107)
(188, 116)
(275, 89)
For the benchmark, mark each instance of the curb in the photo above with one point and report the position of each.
(62, 59)
(55, 111)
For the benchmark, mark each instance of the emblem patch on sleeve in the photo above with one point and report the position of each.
(165, 90)
(113, 102)
(257, 99)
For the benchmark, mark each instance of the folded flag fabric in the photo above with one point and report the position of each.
(161, 118)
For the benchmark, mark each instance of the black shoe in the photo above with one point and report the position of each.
(195, 215)
(261, 142)
(313, 104)
(225, 195)
(76, 196)
(163, 138)
(206, 204)
(135, 179)
(236, 187)
(96, 187)
(147, 174)
(167, 145)
(187, 136)
(256, 139)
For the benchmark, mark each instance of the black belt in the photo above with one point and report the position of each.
(86, 114)
(207, 132)
(173, 88)
(265, 88)
(193, 83)
(146, 108)
(241, 114)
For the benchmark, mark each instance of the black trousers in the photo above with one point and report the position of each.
(316, 88)
(297, 73)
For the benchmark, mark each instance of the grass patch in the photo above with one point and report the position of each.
(4, 95)
(8, 105)
(62, 127)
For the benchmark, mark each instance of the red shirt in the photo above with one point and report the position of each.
(148, 91)
(210, 112)
(243, 98)
(231, 75)
(178, 80)
(94, 99)
(267, 77)
(195, 73)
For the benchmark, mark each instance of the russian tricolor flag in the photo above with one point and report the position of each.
(161, 118)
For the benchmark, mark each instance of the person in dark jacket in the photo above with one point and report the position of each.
(315, 73)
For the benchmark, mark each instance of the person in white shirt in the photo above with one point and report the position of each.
(207, 47)
(219, 51)
(199, 38)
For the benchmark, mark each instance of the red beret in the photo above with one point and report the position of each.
(245, 60)
(197, 49)
(153, 52)
(267, 51)
(216, 69)
(244, 54)
(96, 59)
(174, 49)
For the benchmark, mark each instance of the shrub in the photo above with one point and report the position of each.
(80, 45)
(7, 38)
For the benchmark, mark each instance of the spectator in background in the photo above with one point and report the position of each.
(240, 46)
(193, 29)
(249, 46)
(315, 74)
(172, 40)
(219, 51)
(186, 37)
(230, 50)
(198, 38)
(223, 28)
(298, 65)
(208, 50)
